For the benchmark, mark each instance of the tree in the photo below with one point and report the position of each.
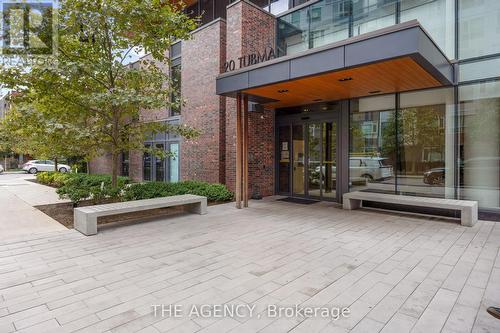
(29, 131)
(90, 94)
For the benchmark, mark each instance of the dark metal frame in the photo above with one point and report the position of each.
(304, 119)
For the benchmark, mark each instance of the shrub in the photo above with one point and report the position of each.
(213, 192)
(80, 187)
(52, 178)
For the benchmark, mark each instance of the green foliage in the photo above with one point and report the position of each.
(213, 192)
(55, 179)
(78, 187)
(87, 102)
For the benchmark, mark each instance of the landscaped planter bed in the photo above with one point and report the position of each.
(79, 187)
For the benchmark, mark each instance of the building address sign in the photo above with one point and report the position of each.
(249, 60)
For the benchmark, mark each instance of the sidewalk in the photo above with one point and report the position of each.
(17, 214)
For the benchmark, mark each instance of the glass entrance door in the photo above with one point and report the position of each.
(308, 166)
(298, 160)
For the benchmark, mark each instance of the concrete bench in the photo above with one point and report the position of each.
(468, 209)
(85, 218)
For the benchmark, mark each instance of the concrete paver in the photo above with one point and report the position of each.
(396, 273)
(17, 215)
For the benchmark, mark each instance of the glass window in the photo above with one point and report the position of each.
(479, 70)
(480, 143)
(220, 8)
(175, 50)
(146, 168)
(206, 11)
(329, 23)
(438, 19)
(192, 11)
(125, 164)
(372, 144)
(293, 32)
(279, 6)
(159, 164)
(174, 163)
(262, 4)
(176, 99)
(479, 28)
(426, 143)
(370, 15)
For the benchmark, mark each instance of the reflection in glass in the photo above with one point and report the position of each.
(125, 164)
(329, 160)
(174, 163)
(480, 143)
(284, 159)
(425, 145)
(298, 159)
(438, 19)
(293, 32)
(279, 6)
(160, 165)
(329, 22)
(175, 97)
(146, 165)
(479, 28)
(372, 144)
(372, 15)
(314, 160)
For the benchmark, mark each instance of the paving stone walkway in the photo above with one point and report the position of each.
(396, 273)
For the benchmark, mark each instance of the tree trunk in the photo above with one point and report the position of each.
(55, 164)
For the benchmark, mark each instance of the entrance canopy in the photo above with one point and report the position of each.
(400, 58)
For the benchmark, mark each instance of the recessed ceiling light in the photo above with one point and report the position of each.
(374, 92)
(282, 91)
(345, 79)
(317, 100)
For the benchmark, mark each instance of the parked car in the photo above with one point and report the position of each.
(478, 165)
(1, 168)
(435, 176)
(369, 168)
(35, 166)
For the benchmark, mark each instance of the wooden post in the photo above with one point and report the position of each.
(245, 151)
(239, 152)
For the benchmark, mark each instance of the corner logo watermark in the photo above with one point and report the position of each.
(28, 30)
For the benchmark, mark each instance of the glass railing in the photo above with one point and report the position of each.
(329, 21)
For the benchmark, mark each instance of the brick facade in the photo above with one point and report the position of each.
(202, 59)
(212, 156)
(249, 30)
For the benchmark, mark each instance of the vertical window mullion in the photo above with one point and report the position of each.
(398, 12)
(398, 150)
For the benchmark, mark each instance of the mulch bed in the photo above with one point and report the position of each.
(63, 213)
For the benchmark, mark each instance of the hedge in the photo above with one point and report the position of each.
(97, 188)
(78, 187)
(56, 179)
(213, 192)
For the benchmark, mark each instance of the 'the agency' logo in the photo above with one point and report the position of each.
(27, 27)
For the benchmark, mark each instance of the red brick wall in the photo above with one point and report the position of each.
(101, 164)
(202, 60)
(250, 30)
(136, 165)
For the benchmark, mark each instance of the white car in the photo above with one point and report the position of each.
(1, 168)
(35, 166)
